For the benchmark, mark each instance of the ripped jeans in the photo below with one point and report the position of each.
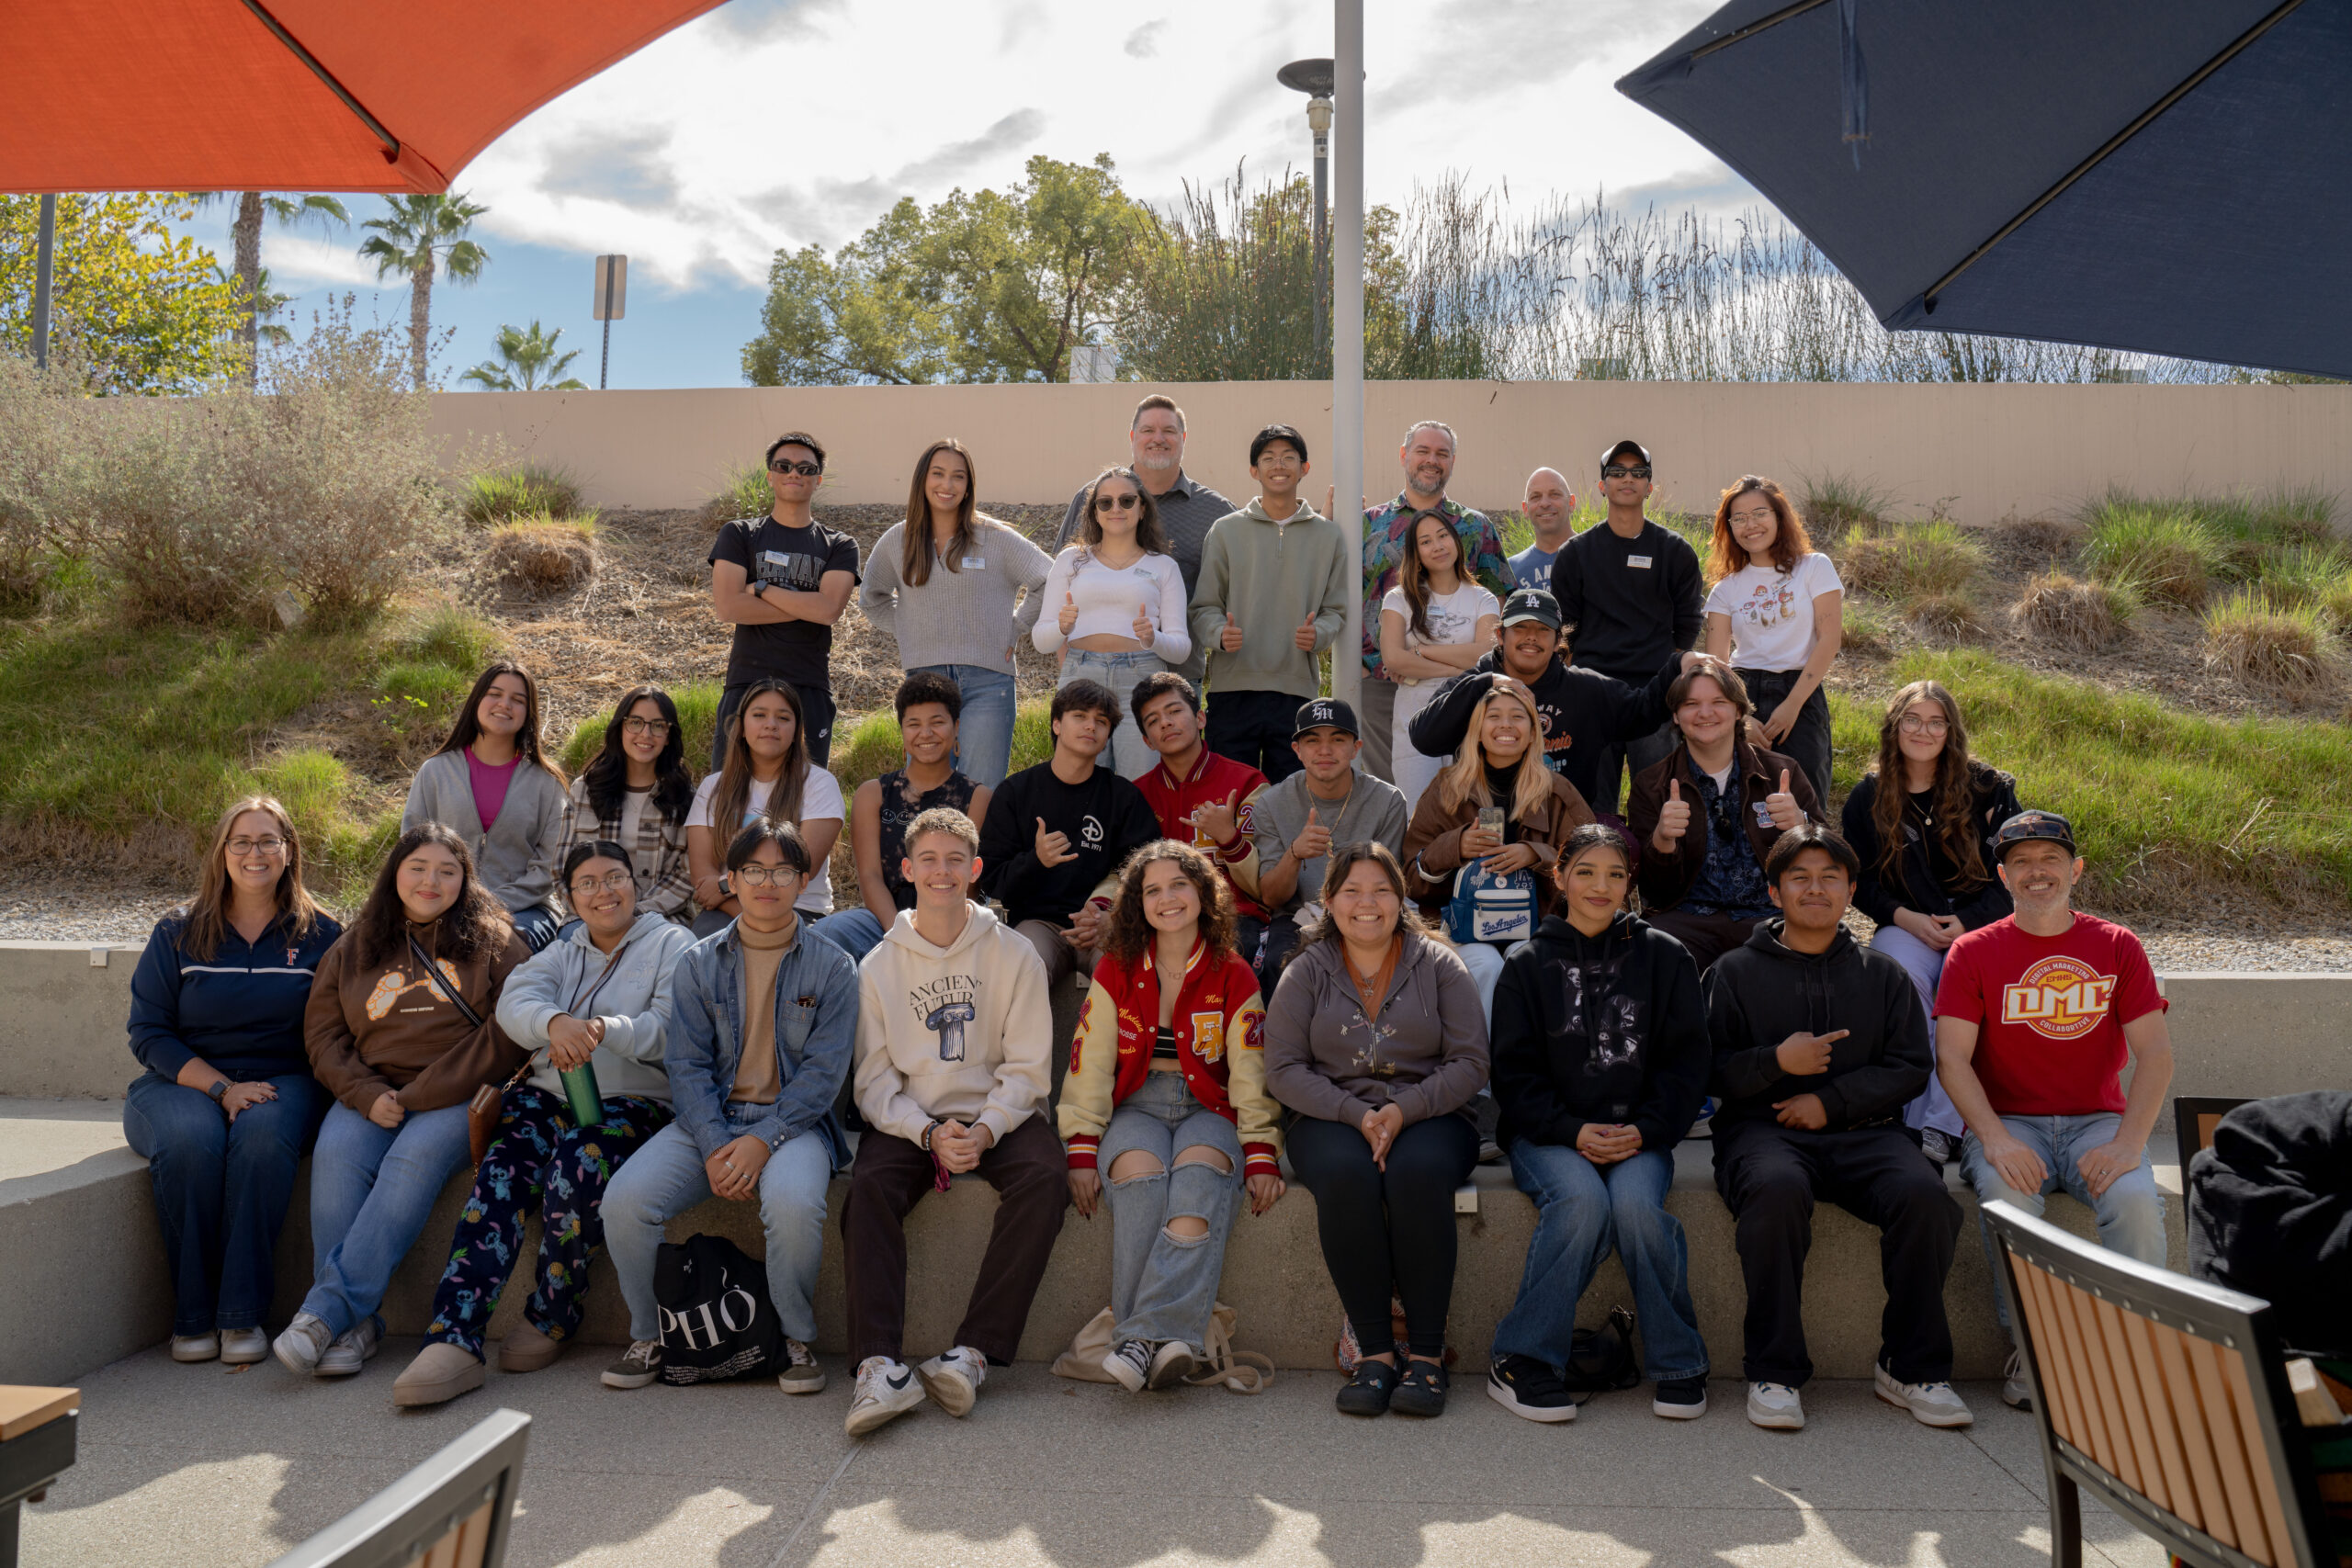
(1162, 1286)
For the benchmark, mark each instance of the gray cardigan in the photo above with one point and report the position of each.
(515, 860)
(1427, 1053)
(965, 616)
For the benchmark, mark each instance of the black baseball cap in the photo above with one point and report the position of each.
(1640, 452)
(2028, 826)
(1325, 712)
(1532, 604)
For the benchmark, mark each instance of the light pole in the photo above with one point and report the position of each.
(1347, 322)
(609, 304)
(41, 269)
(1313, 78)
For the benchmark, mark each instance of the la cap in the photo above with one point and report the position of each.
(2028, 826)
(1532, 604)
(1325, 712)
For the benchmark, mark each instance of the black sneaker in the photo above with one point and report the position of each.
(1368, 1390)
(1527, 1387)
(1421, 1390)
(1680, 1399)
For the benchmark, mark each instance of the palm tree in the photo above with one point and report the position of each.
(527, 362)
(261, 325)
(419, 234)
(327, 212)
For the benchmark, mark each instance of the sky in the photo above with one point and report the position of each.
(783, 123)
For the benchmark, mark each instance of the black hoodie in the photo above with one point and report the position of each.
(1761, 994)
(1582, 711)
(1598, 1029)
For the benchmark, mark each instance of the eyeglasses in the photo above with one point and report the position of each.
(1123, 503)
(657, 728)
(763, 876)
(611, 882)
(1625, 471)
(1910, 726)
(806, 471)
(257, 846)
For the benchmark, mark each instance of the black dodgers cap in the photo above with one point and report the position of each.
(1622, 447)
(1532, 604)
(2028, 826)
(1325, 712)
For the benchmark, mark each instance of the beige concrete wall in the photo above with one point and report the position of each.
(1984, 451)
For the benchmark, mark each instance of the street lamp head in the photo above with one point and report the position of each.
(1313, 77)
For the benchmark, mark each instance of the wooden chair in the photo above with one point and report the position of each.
(2193, 1120)
(2166, 1396)
(452, 1511)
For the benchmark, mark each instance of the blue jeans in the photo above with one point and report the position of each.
(221, 1189)
(537, 925)
(2131, 1212)
(666, 1178)
(1130, 753)
(1582, 1210)
(1932, 1107)
(371, 1192)
(854, 930)
(1162, 1285)
(984, 732)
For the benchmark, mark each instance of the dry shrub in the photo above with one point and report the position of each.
(1946, 615)
(2167, 555)
(2259, 639)
(747, 495)
(2086, 617)
(146, 488)
(31, 402)
(1865, 630)
(1911, 560)
(2035, 539)
(545, 554)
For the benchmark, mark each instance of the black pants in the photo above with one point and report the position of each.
(1282, 941)
(1708, 937)
(1769, 1176)
(1808, 742)
(1254, 727)
(1388, 1233)
(1620, 759)
(815, 712)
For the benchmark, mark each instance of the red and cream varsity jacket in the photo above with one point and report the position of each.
(1220, 1027)
(1214, 780)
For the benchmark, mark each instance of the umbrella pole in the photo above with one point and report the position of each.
(41, 272)
(1347, 325)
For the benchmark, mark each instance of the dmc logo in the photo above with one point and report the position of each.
(2058, 999)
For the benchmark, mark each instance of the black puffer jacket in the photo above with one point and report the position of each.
(2270, 1212)
(1930, 882)
(1598, 1029)
(1761, 994)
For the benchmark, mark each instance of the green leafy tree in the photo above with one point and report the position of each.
(244, 233)
(419, 236)
(136, 306)
(869, 314)
(527, 362)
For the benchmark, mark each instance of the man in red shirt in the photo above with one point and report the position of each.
(2034, 1016)
(1201, 798)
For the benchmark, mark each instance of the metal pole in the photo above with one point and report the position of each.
(42, 271)
(604, 365)
(1318, 120)
(1347, 323)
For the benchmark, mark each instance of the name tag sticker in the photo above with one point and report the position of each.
(1642, 561)
(976, 563)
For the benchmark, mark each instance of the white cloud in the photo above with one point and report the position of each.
(302, 261)
(787, 123)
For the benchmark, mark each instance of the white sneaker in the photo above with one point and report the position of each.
(303, 1342)
(244, 1347)
(1775, 1405)
(1932, 1403)
(2017, 1389)
(196, 1346)
(954, 1380)
(1172, 1363)
(885, 1391)
(353, 1349)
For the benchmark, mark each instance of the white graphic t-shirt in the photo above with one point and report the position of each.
(821, 797)
(1771, 612)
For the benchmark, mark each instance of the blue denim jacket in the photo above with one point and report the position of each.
(816, 1034)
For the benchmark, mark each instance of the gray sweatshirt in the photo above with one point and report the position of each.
(1271, 577)
(964, 616)
(634, 1004)
(515, 860)
(1373, 810)
(1426, 1051)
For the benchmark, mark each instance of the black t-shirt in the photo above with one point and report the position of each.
(1630, 602)
(1105, 818)
(798, 558)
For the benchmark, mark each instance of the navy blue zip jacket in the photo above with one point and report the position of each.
(241, 1011)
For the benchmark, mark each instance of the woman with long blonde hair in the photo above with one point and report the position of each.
(227, 1107)
(766, 775)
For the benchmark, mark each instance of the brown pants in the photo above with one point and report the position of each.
(1062, 960)
(889, 1177)
(1708, 937)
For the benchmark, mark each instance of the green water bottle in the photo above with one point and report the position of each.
(587, 1099)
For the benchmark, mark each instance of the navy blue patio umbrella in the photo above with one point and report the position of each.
(2170, 176)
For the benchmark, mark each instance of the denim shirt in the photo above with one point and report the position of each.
(1730, 882)
(816, 1031)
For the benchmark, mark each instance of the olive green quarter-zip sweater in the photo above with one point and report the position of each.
(1270, 577)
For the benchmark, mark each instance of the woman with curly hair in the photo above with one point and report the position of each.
(1922, 821)
(636, 792)
(399, 1030)
(1167, 1087)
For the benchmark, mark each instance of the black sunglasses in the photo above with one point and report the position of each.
(806, 471)
(1625, 471)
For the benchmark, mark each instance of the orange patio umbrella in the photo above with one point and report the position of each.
(289, 95)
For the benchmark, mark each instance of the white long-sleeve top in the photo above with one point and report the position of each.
(1108, 598)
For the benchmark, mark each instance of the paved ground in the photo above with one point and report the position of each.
(204, 1467)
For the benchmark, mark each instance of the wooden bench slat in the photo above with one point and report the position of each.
(2098, 1394)
(2195, 1439)
(2118, 1345)
(2035, 1287)
(2163, 1421)
(2265, 1484)
(2229, 1450)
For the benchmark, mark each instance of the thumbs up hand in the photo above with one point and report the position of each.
(1229, 640)
(1782, 807)
(1673, 819)
(1068, 617)
(1305, 635)
(1146, 632)
(1313, 840)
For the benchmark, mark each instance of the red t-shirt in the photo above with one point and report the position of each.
(2050, 1012)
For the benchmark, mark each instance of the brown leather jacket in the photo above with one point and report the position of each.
(1664, 879)
(1433, 841)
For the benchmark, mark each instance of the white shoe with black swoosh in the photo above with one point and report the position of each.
(886, 1390)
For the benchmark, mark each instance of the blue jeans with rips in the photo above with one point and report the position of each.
(1162, 1285)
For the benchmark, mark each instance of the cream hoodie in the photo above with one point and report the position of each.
(963, 1030)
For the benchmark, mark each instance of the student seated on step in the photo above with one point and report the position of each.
(1332, 799)
(399, 1029)
(1202, 800)
(493, 782)
(595, 999)
(1167, 1095)
(1600, 1061)
(761, 1016)
(2036, 1014)
(954, 1029)
(1820, 1043)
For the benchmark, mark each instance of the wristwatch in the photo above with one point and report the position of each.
(219, 1091)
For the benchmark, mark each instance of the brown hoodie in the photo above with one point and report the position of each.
(387, 1027)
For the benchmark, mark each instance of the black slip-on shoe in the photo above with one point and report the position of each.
(1369, 1390)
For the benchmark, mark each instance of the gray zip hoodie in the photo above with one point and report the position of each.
(1271, 577)
(1425, 1051)
(515, 859)
(634, 1004)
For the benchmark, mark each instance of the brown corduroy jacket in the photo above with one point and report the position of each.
(388, 1027)
(1433, 841)
(1664, 879)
